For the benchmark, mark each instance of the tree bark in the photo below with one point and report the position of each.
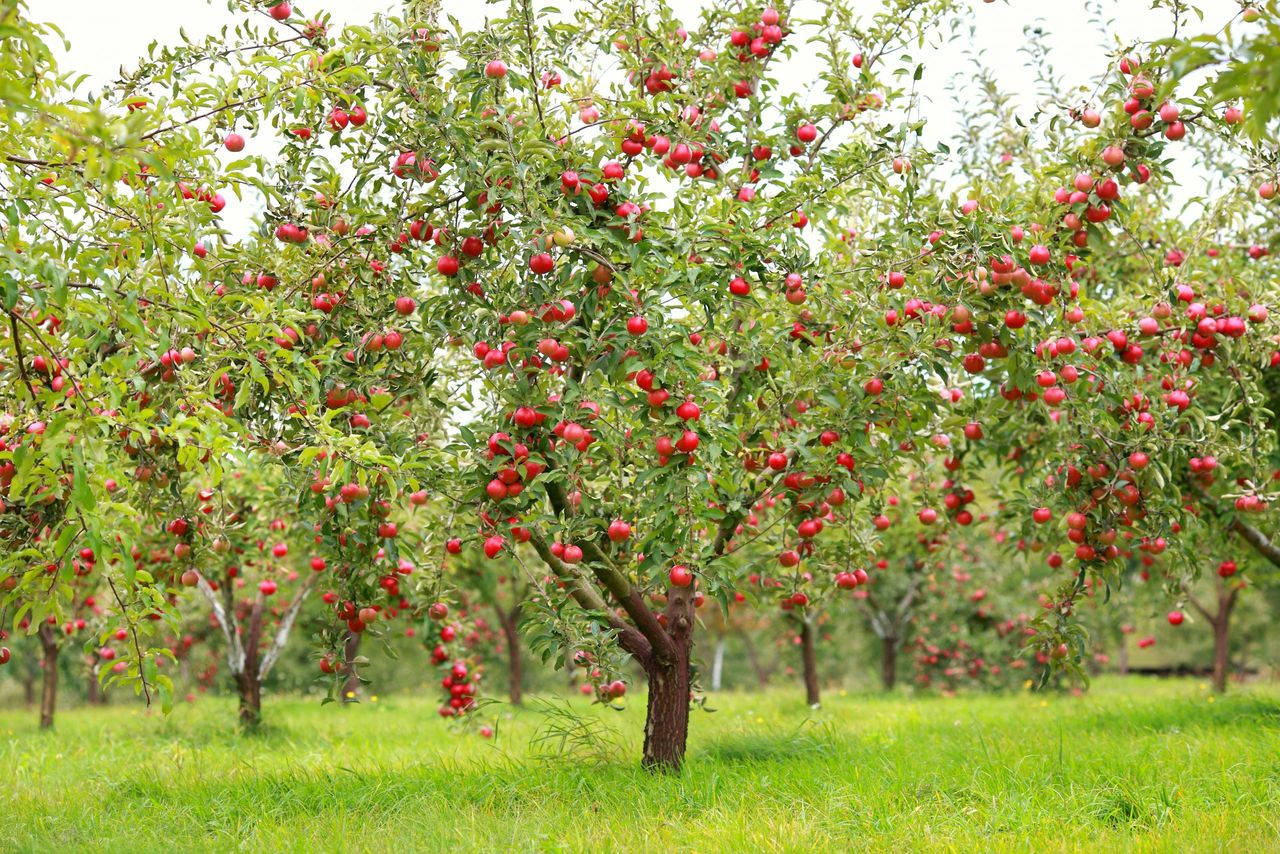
(93, 693)
(515, 665)
(1122, 655)
(350, 649)
(249, 680)
(889, 662)
(250, 700)
(812, 695)
(49, 694)
(1222, 639)
(666, 726)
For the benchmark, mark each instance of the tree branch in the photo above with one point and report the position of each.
(286, 626)
(632, 640)
(230, 630)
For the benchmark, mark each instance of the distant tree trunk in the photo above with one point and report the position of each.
(809, 657)
(351, 688)
(1122, 655)
(717, 664)
(248, 680)
(93, 691)
(515, 665)
(666, 726)
(1222, 639)
(29, 688)
(250, 700)
(762, 675)
(49, 695)
(1220, 620)
(889, 662)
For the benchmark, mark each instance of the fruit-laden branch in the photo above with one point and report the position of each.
(1251, 535)
(632, 640)
(226, 622)
(286, 626)
(1257, 539)
(616, 583)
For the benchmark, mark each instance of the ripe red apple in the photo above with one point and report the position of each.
(280, 11)
(619, 531)
(680, 576)
(1176, 618)
(496, 69)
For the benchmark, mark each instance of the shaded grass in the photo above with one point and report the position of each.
(1134, 765)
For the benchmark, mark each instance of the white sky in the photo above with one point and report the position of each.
(105, 34)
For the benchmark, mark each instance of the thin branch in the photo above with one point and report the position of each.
(137, 647)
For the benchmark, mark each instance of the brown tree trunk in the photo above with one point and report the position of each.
(49, 694)
(889, 662)
(248, 680)
(1222, 639)
(810, 659)
(93, 694)
(515, 666)
(666, 726)
(351, 688)
(250, 699)
(1122, 655)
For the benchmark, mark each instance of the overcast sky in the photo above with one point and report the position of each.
(107, 33)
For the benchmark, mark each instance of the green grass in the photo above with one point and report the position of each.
(1133, 765)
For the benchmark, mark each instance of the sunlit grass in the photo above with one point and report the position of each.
(1134, 765)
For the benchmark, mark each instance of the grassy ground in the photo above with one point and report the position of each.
(1134, 765)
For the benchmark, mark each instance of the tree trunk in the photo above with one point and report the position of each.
(1122, 655)
(808, 656)
(250, 699)
(717, 665)
(762, 675)
(49, 694)
(351, 688)
(93, 693)
(666, 726)
(1222, 638)
(515, 666)
(249, 680)
(29, 688)
(889, 662)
